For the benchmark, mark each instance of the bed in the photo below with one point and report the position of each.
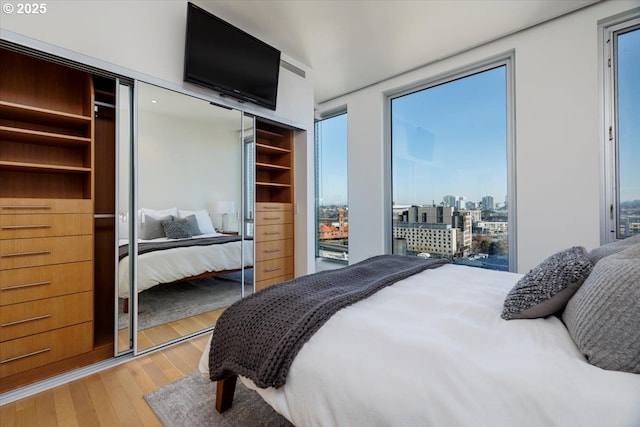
(434, 349)
(167, 259)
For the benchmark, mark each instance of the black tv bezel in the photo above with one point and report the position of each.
(221, 87)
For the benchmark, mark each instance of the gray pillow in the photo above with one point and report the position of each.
(546, 289)
(176, 229)
(192, 222)
(603, 317)
(152, 227)
(598, 253)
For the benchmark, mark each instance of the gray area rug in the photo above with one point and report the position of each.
(168, 302)
(190, 402)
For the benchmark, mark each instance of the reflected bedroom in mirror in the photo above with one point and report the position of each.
(190, 263)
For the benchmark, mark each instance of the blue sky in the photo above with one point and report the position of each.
(451, 139)
(332, 160)
(629, 114)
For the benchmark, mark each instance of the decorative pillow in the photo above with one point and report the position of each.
(204, 220)
(158, 213)
(152, 227)
(597, 254)
(192, 222)
(603, 317)
(176, 229)
(144, 213)
(546, 289)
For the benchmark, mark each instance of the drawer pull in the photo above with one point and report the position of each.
(271, 270)
(23, 227)
(271, 233)
(26, 207)
(32, 319)
(272, 207)
(26, 285)
(25, 254)
(271, 218)
(13, 359)
(270, 251)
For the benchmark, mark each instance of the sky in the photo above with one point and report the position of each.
(332, 160)
(629, 115)
(452, 139)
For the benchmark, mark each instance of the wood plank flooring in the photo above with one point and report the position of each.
(114, 397)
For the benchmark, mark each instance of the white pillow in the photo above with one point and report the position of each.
(158, 213)
(204, 220)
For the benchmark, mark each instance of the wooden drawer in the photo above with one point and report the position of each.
(274, 249)
(275, 217)
(18, 253)
(41, 349)
(273, 206)
(265, 233)
(11, 206)
(28, 284)
(28, 318)
(261, 284)
(273, 268)
(44, 225)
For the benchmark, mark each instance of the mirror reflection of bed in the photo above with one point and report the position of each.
(190, 258)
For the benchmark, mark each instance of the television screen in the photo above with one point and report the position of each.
(222, 57)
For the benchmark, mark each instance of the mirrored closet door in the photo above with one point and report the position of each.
(189, 245)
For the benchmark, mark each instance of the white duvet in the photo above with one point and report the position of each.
(169, 265)
(432, 350)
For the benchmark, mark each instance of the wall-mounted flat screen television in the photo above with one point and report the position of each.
(224, 58)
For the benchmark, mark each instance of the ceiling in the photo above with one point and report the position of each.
(351, 44)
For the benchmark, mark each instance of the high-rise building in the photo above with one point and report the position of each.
(449, 200)
(438, 230)
(488, 203)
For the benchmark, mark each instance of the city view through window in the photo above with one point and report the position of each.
(331, 192)
(628, 132)
(449, 171)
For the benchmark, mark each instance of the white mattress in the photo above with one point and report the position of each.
(432, 350)
(166, 266)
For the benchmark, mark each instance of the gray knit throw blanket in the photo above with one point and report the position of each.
(259, 336)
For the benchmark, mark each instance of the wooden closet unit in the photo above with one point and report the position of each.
(274, 219)
(46, 217)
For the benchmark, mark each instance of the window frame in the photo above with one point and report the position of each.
(506, 59)
(316, 170)
(610, 203)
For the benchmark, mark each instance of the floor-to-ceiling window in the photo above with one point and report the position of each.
(451, 170)
(622, 129)
(332, 209)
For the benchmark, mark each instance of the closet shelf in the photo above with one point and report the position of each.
(14, 111)
(269, 133)
(38, 137)
(271, 166)
(271, 149)
(272, 184)
(38, 167)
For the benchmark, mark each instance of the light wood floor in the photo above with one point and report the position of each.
(113, 397)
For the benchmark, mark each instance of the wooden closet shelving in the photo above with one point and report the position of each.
(46, 218)
(274, 205)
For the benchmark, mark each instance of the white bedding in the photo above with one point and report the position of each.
(432, 350)
(169, 265)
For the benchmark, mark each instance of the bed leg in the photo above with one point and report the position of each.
(125, 305)
(224, 393)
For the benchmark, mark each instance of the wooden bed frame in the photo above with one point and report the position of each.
(225, 390)
(125, 307)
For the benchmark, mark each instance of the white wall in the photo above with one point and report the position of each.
(557, 137)
(187, 164)
(145, 40)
